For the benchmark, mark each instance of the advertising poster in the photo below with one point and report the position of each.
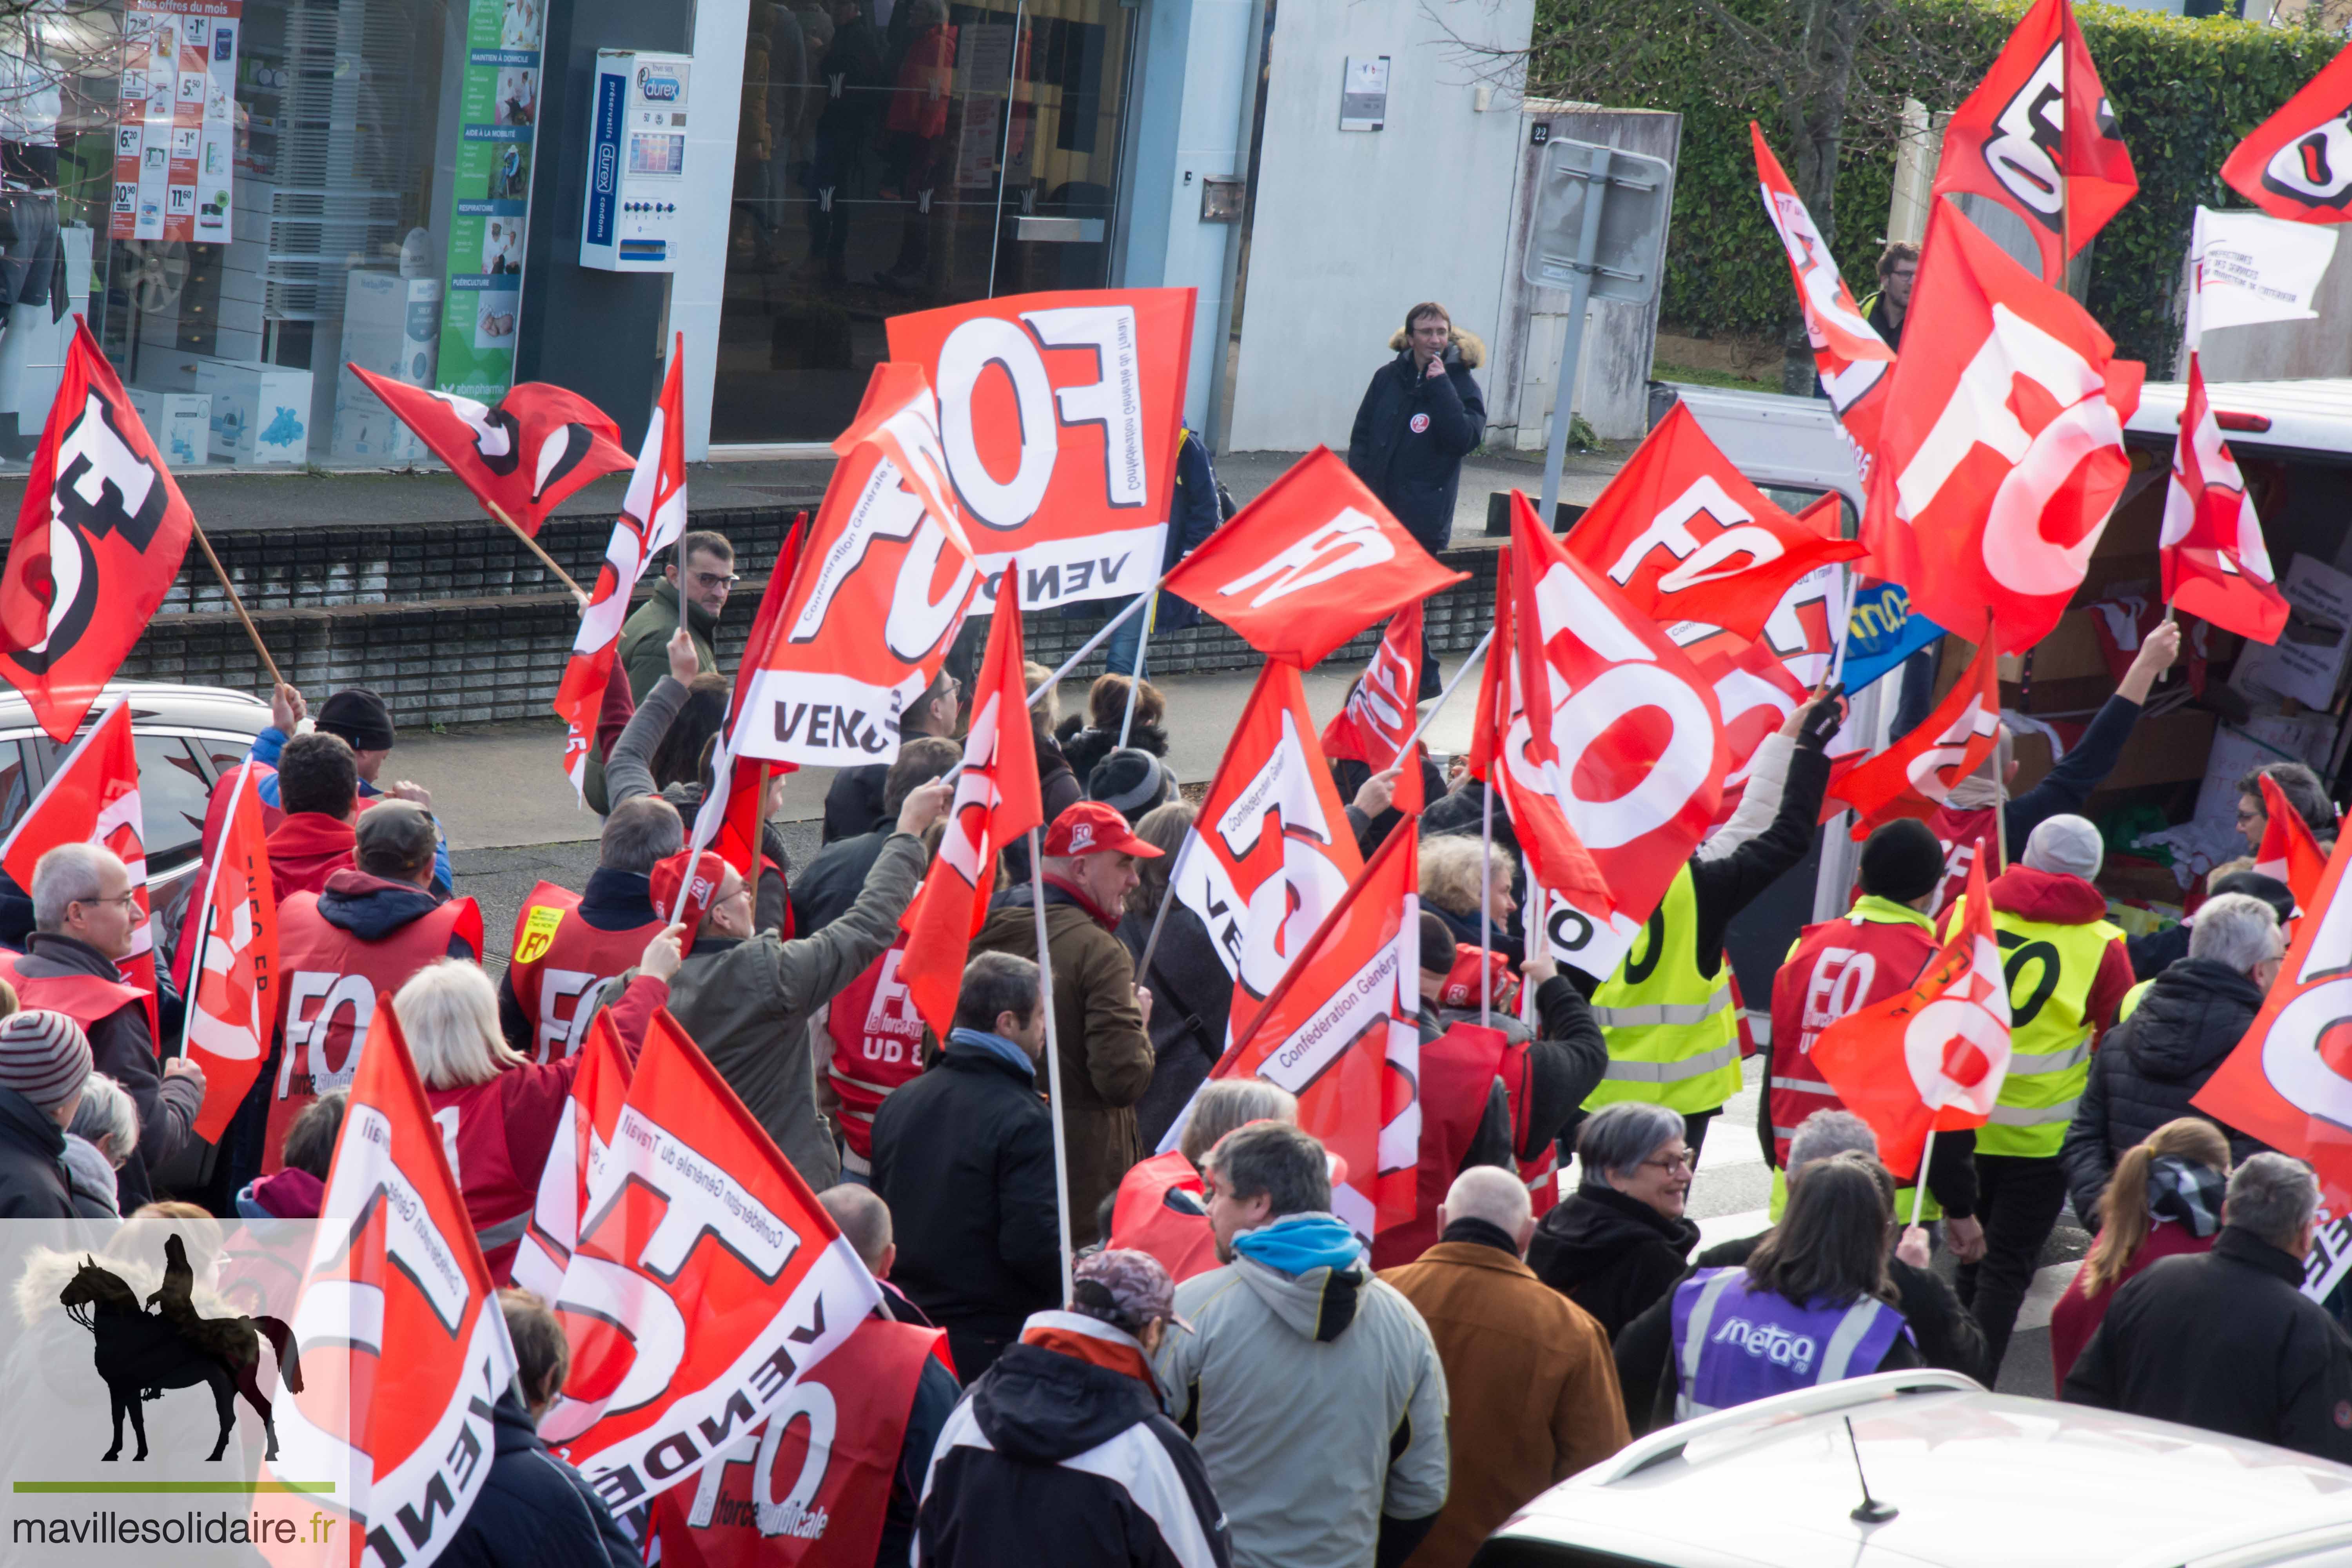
(491, 205)
(177, 141)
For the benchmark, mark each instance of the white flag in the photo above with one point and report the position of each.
(2247, 269)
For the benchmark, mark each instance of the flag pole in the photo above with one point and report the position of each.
(544, 558)
(204, 917)
(1919, 1182)
(1101, 633)
(1485, 901)
(1167, 896)
(1845, 632)
(1405, 753)
(236, 603)
(1053, 1061)
(1135, 676)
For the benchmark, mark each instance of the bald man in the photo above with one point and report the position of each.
(1510, 1346)
(864, 1223)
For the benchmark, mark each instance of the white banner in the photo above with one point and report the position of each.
(2246, 269)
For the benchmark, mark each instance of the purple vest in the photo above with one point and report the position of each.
(1734, 1344)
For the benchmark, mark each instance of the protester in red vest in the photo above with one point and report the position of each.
(343, 949)
(1159, 1208)
(567, 945)
(318, 785)
(1492, 1096)
(83, 914)
(1839, 967)
(498, 1112)
(358, 718)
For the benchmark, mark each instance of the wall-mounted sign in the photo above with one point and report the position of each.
(1364, 93)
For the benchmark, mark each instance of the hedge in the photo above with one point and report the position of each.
(2184, 92)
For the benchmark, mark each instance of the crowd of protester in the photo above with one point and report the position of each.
(1235, 1377)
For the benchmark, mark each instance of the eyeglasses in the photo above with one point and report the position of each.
(1683, 1161)
(716, 579)
(127, 901)
(2244, 817)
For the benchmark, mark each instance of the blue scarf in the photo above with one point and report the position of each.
(1297, 1243)
(996, 1045)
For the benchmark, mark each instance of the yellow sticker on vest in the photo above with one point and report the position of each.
(538, 935)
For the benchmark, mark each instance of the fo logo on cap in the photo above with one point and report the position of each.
(1082, 837)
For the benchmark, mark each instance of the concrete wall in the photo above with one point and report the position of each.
(1352, 227)
(1188, 123)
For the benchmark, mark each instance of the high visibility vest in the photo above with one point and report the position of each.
(775, 1496)
(2051, 971)
(1672, 1039)
(84, 998)
(333, 982)
(1159, 1210)
(1734, 1344)
(1541, 1174)
(560, 962)
(1835, 969)
(877, 1039)
(2131, 1000)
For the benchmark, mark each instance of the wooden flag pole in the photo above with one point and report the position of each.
(544, 558)
(1052, 1062)
(238, 603)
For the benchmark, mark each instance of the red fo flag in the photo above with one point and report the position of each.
(404, 1350)
(1615, 757)
(1382, 709)
(522, 458)
(2289, 852)
(2002, 450)
(1916, 775)
(2289, 1084)
(738, 836)
(996, 801)
(233, 1004)
(93, 798)
(706, 1277)
(2215, 565)
(864, 631)
(1935, 1055)
(1271, 853)
(2297, 165)
(1310, 562)
(1685, 537)
(582, 1137)
(98, 539)
(1340, 1032)
(652, 517)
(2038, 137)
(1853, 358)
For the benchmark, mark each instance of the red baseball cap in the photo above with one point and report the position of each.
(1093, 828)
(700, 892)
(1461, 979)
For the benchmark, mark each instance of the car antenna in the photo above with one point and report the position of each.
(1870, 1511)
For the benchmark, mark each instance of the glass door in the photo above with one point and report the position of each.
(895, 155)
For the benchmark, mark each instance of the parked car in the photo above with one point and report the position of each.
(186, 737)
(1960, 1476)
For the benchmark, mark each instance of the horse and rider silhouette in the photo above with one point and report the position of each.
(141, 1352)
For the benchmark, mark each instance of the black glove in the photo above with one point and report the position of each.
(1823, 719)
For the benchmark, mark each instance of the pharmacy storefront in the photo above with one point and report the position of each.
(242, 195)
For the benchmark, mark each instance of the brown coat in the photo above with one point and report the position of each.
(1105, 1057)
(1531, 1386)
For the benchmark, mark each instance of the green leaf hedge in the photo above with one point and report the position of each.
(2184, 93)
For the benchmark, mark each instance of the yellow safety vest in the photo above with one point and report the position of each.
(2050, 970)
(1929, 1209)
(2131, 1000)
(1673, 1038)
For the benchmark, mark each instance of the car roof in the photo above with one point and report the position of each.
(157, 702)
(2311, 415)
(1776, 439)
(1975, 1478)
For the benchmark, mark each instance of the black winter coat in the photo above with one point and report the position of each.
(1412, 432)
(823, 893)
(2189, 1021)
(1945, 1331)
(1612, 1255)
(2226, 1341)
(1083, 745)
(964, 1158)
(1004, 1489)
(1349, 775)
(534, 1509)
(32, 1163)
(1192, 1001)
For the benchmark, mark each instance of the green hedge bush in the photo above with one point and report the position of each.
(2184, 93)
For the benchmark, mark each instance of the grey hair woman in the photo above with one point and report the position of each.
(1621, 1242)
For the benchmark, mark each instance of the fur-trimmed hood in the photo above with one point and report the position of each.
(1468, 347)
(47, 1270)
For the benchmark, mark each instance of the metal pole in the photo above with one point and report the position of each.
(1406, 755)
(1160, 918)
(997, 239)
(1580, 296)
(1052, 1063)
(1485, 901)
(1093, 642)
(1845, 632)
(1135, 676)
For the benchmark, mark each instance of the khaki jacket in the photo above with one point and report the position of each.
(1533, 1387)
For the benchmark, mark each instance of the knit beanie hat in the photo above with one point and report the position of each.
(1130, 782)
(2067, 846)
(360, 716)
(1902, 860)
(1436, 945)
(44, 1056)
